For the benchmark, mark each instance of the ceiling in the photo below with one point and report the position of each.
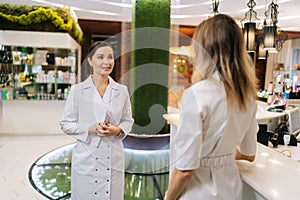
(183, 12)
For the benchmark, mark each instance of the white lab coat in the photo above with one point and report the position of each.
(208, 133)
(97, 162)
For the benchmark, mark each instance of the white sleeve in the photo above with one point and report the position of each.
(248, 144)
(69, 122)
(126, 118)
(188, 139)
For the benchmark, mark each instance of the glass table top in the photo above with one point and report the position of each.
(146, 173)
(51, 174)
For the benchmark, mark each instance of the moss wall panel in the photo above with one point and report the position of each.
(151, 45)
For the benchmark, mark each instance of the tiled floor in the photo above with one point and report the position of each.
(17, 154)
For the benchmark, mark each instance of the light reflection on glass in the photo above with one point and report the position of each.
(51, 174)
(146, 173)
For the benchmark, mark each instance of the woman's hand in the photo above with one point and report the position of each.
(109, 129)
(96, 129)
(240, 156)
(104, 129)
(165, 197)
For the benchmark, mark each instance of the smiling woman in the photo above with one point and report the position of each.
(98, 115)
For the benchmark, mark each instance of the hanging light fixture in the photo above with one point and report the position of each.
(270, 28)
(249, 26)
(270, 37)
(215, 7)
(249, 35)
(262, 53)
(274, 37)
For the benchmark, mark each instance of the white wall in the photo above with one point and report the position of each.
(31, 117)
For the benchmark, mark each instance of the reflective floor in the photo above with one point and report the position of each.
(146, 173)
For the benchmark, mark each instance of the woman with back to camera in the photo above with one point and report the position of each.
(98, 114)
(217, 116)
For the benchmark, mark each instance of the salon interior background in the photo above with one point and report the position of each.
(116, 17)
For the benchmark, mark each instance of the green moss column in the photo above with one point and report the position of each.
(149, 65)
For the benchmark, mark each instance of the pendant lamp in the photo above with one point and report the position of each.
(249, 27)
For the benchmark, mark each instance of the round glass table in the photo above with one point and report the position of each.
(146, 169)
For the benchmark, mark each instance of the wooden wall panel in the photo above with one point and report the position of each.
(95, 27)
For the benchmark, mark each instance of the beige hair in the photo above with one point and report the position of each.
(218, 45)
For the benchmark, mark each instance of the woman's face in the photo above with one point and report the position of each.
(102, 61)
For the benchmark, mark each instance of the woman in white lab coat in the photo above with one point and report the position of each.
(217, 116)
(98, 114)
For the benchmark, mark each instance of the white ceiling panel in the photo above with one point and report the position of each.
(184, 12)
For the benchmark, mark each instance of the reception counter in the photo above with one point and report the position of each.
(272, 175)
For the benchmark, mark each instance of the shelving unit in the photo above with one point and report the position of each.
(51, 70)
(38, 116)
(286, 74)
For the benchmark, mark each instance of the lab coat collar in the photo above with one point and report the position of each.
(88, 83)
(114, 87)
(113, 83)
(216, 75)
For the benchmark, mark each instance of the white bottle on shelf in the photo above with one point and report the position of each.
(295, 83)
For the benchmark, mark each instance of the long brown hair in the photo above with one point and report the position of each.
(218, 44)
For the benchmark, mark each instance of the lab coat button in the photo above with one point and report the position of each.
(96, 169)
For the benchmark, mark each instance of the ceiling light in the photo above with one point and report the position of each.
(274, 37)
(49, 3)
(215, 5)
(181, 16)
(96, 11)
(262, 53)
(249, 26)
(123, 5)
